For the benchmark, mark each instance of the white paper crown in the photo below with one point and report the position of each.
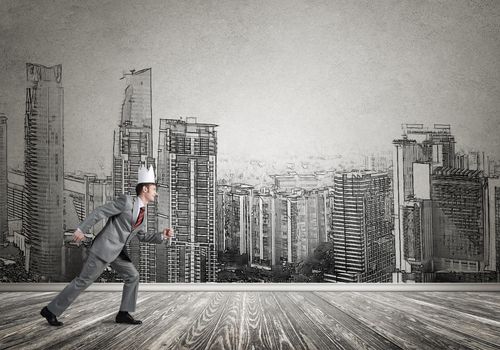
(145, 175)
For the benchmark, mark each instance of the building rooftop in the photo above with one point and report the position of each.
(448, 171)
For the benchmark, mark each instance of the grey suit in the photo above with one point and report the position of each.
(105, 250)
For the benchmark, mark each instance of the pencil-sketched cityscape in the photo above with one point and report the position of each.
(423, 213)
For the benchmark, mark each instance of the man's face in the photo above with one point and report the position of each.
(149, 192)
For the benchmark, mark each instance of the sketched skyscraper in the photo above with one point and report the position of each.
(492, 241)
(465, 226)
(44, 168)
(416, 155)
(4, 226)
(187, 173)
(362, 229)
(133, 147)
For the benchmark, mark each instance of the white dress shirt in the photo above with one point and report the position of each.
(135, 214)
(137, 206)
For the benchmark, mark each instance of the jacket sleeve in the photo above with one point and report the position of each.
(150, 237)
(107, 210)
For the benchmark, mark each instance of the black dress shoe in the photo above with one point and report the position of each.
(51, 318)
(125, 317)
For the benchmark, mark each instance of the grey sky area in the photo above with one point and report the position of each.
(281, 78)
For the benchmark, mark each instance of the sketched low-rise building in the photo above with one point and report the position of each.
(299, 224)
(4, 225)
(82, 194)
(238, 214)
(264, 229)
(44, 169)
(16, 212)
(475, 161)
(312, 221)
(293, 180)
(272, 228)
(15, 195)
(416, 216)
(221, 218)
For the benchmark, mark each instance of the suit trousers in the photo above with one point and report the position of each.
(92, 269)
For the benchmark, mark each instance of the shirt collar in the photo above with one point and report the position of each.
(137, 206)
(139, 203)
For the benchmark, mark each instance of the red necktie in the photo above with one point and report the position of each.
(139, 218)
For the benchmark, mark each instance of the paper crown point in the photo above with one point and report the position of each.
(145, 175)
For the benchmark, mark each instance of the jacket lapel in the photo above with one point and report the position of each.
(133, 213)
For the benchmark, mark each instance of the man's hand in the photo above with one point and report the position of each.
(168, 232)
(78, 235)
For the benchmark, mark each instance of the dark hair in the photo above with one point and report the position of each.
(138, 188)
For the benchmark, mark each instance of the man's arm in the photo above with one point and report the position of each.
(155, 237)
(107, 210)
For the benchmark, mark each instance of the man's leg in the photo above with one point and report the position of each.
(127, 271)
(92, 268)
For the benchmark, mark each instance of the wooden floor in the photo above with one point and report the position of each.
(258, 320)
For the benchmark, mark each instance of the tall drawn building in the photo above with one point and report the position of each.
(133, 148)
(464, 239)
(187, 173)
(44, 168)
(416, 155)
(492, 241)
(362, 229)
(4, 225)
(446, 209)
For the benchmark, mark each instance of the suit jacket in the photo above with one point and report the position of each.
(118, 231)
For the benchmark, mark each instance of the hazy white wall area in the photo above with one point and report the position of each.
(279, 77)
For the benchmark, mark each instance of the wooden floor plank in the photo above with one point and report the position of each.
(461, 327)
(34, 333)
(284, 332)
(258, 320)
(465, 302)
(340, 328)
(200, 331)
(405, 330)
(327, 330)
(89, 313)
(164, 317)
(255, 324)
(359, 333)
(226, 334)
